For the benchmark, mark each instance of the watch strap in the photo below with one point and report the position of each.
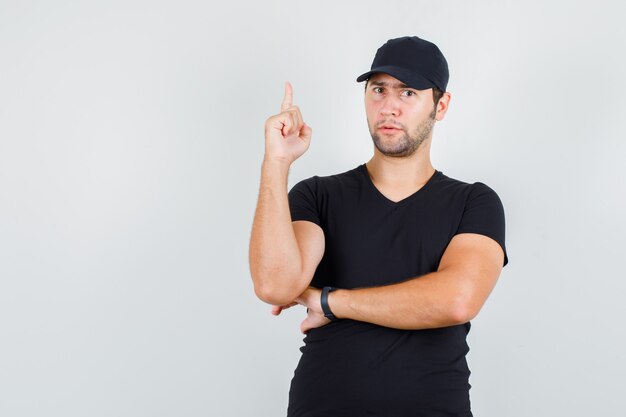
(324, 302)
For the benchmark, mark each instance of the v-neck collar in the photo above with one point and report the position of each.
(368, 179)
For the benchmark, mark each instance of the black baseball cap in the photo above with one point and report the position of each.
(416, 62)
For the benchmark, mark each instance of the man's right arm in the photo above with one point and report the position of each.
(283, 254)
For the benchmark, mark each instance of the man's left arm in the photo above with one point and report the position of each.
(454, 294)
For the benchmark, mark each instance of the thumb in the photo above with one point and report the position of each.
(304, 326)
(306, 131)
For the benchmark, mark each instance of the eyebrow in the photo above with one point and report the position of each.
(386, 84)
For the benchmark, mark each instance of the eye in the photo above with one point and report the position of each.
(408, 93)
(377, 90)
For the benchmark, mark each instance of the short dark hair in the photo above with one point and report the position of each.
(437, 94)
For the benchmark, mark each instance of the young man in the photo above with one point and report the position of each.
(392, 258)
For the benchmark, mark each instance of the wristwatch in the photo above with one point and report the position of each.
(324, 302)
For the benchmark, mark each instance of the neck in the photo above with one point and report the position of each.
(399, 173)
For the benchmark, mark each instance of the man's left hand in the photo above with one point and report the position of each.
(310, 299)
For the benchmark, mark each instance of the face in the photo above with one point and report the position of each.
(400, 118)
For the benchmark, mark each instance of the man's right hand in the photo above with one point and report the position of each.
(287, 137)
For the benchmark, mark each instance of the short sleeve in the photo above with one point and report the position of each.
(484, 214)
(303, 201)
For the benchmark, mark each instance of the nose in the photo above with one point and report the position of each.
(390, 106)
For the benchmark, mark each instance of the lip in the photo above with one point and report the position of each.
(388, 128)
(385, 124)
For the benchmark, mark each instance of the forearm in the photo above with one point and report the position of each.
(275, 260)
(467, 273)
(434, 300)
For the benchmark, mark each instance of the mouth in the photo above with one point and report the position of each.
(389, 129)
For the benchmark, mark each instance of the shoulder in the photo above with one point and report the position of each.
(481, 211)
(311, 198)
(468, 190)
(319, 183)
(346, 177)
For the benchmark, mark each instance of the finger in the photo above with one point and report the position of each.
(289, 124)
(306, 131)
(304, 327)
(288, 98)
(298, 118)
(276, 310)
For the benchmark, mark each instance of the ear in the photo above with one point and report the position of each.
(442, 106)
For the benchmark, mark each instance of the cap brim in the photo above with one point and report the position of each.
(409, 78)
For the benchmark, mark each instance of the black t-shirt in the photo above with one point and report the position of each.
(352, 368)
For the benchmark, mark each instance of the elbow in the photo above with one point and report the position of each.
(463, 310)
(267, 284)
(273, 296)
(276, 291)
(461, 315)
(465, 301)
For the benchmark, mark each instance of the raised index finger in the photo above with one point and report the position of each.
(288, 99)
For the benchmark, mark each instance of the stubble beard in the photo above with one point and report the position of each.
(408, 144)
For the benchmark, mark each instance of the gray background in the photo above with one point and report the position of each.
(131, 139)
